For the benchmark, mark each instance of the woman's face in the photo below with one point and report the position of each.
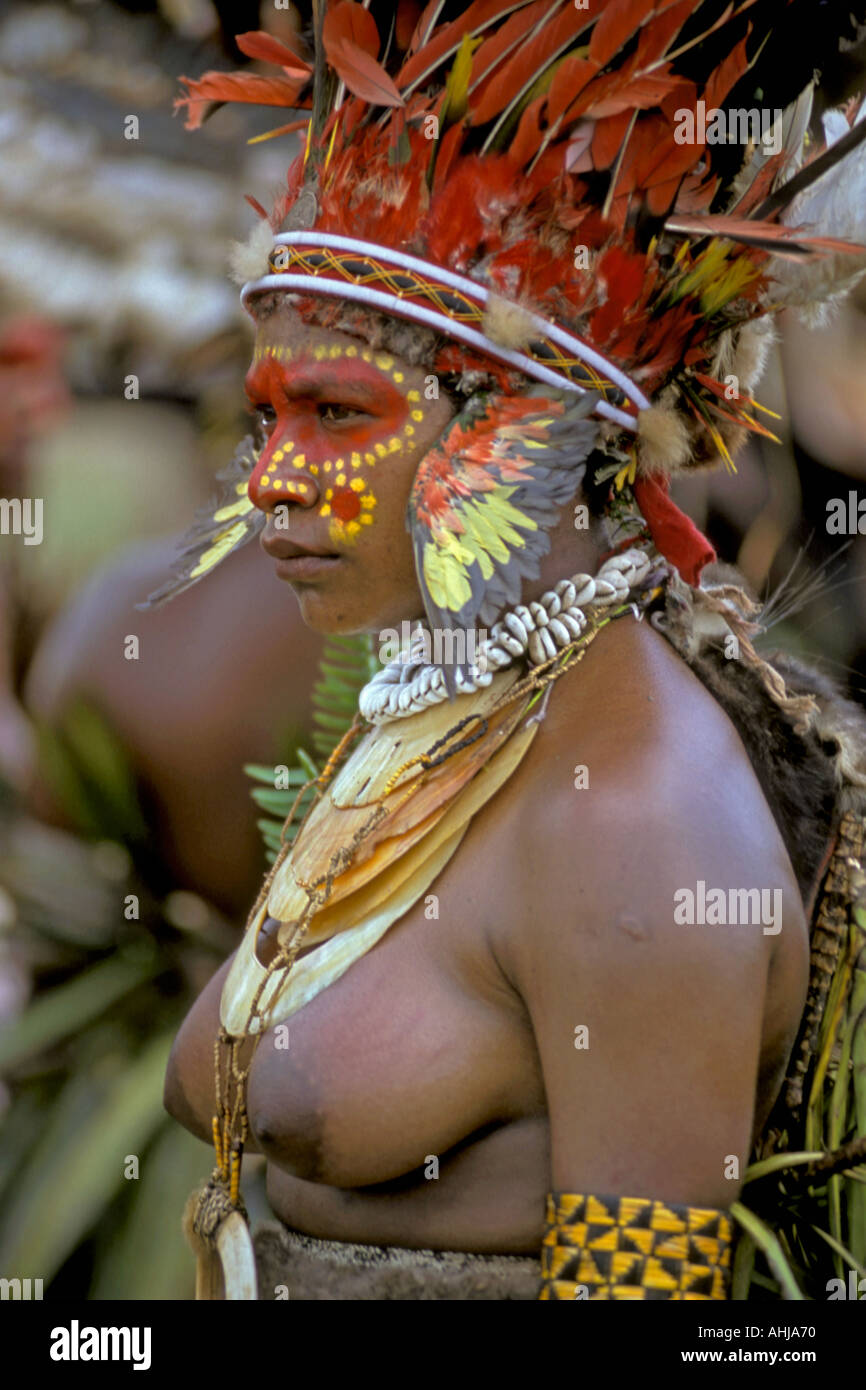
(346, 429)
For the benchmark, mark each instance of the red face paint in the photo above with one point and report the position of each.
(345, 505)
(336, 413)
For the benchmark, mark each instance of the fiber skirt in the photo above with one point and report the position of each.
(294, 1266)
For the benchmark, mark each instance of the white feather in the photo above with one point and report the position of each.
(248, 260)
(833, 206)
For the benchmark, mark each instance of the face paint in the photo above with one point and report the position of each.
(338, 412)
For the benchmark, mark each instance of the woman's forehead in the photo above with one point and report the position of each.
(288, 330)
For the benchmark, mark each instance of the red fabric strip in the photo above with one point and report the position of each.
(676, 536)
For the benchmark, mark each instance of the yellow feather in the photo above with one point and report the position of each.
(234, 509)
(224, 542)
(457, 85)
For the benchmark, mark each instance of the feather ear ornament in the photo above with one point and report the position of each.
(220, 528)
(485, 496)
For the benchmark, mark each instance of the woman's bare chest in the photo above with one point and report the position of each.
(401, 1059)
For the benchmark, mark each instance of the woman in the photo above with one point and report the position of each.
(524, 1013)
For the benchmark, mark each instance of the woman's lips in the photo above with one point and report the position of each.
(306, 566)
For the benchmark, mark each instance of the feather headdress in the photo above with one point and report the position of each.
(561, 191)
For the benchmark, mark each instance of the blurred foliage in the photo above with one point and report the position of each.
(115, 959)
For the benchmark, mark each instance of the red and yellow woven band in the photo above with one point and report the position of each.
(394, 282)
(633, 1248)
(416, 288)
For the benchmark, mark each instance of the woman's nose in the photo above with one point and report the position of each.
(283, 476)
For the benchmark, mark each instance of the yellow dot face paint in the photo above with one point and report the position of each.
(296, 385)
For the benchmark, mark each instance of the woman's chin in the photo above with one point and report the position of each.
(327, 614)
(330, 615)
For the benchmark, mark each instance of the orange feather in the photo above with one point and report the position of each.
(236, 86)
(349, 23)
(267, 49)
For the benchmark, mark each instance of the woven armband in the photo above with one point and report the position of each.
(632, 1247)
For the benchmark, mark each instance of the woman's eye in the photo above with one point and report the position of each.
(266, 415)
(330, 410)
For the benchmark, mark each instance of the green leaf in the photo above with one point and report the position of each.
(148, 1257)
(768, 1242)
(841, 1251)
(778, 1162)
(70, 1007)
(260, 773)
(280, 802)
(744, 1266)
(346, 664)
(85, 761)
(307, 765)
(271, 829)
(330, 721)
(78, 1167)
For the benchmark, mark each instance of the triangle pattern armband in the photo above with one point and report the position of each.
(633, 1248)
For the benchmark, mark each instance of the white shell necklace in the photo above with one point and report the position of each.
(535, 631)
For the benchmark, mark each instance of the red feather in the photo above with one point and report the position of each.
(621, 275)
(236, 86)
(348, 22)
(499, 45)
(362, 74)
(782, 241)
(728, 73)
(655, 38)
(477, 17)
(529, 134)
(642, 92)
(524, 67)
(258, 44)
(408, 14)
(615, 26)
(608, 138)
(660, 197)
(568, 82)
(449, 146)
(424, 25)
(455, 224)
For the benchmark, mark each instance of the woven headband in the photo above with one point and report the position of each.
(320, 263)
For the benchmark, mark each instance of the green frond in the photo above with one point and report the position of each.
(768, 1242)
(346, 665)
(805, 1217)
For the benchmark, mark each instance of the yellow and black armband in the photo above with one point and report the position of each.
(633, 1247)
